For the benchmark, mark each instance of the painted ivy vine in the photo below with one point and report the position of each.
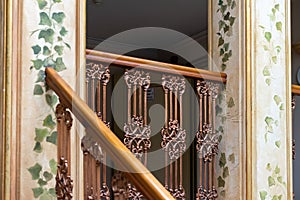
(273, 48)
(225, 30)
(270, 45)
(275, 183)
(48, 52)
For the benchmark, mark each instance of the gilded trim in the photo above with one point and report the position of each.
(249, 112)
(289, 137)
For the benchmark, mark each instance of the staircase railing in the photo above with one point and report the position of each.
(141, 177)
(131, 155)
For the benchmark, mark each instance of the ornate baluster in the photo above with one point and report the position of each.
(137, 132)
(64, 183)
(207, 140)
(95, 172)
(173, 134)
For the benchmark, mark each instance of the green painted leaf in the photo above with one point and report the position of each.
(41, 182)
(51, 100)
(276, 7)
(226, 46)
(59, 65)
(53, 166)
(268, 36)
(271, 181)
(45, 196)
(38, 90)
(223, 193)
(277, 197)
(48, 176)
(223, 67)
(230, 103)
(36, 49)
(279, 179)
(223, 8)
(46, 51)
(226, 28)
(266, 71)
(67, 45)
(269, 168)
(231, 20)
(48, 122)
(231, 158)
(225, 172)
(59, 50)
(277, 99)
(41, 76)
(281, 107)
(269, 120)
(278, 143)
(277, 170)
(37, 64)
(42, 4)
(56, 1)
(44, 19)
(268, 81)
(222, 161)
(38, 147)
(37, 192)
(226, 17)
(221, 182)
(58, 17)
(52, 138)
(47, 35)
(221, 41)
(52, 192)
(40, 134)
(233, 5)
(63, 31)
(274, 59)
(35, 171)
(222, 51)
(263, 195)
(279, 26)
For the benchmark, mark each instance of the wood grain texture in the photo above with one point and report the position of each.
(126, 61)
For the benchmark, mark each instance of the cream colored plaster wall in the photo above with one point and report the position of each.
(227, 53)
(34, 108)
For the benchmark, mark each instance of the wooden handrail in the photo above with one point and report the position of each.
(136, 172)
(296, 89)
(127, 61)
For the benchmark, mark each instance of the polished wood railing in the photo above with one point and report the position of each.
(145, 182)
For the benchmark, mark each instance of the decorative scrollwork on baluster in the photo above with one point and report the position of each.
(294, 149)
(293, 102)
(207, 143)
(133, 193)
(104, 192)
(173, 140)
(93, 148)
(64, 183)
(119, 186)
(137, 137)
(97, 71)
(136, 77)
(173, 83)
(204, 194)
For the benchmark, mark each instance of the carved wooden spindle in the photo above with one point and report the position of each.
(207, 140)
(95, 172)
(173, 134)
(64, 183)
